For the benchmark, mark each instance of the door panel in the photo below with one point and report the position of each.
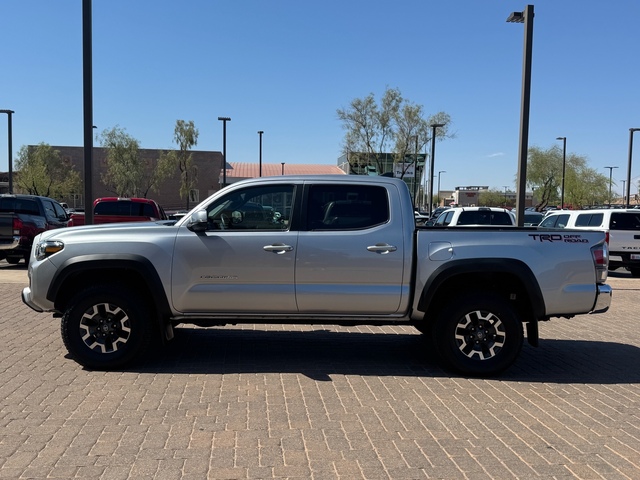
(351, 261)
(233, 272)
(245, 261)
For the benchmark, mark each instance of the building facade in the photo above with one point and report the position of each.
(209, 165)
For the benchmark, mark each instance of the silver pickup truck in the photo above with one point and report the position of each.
(337, 249)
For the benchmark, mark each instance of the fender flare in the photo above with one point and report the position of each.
(484, 265)
(138, 263)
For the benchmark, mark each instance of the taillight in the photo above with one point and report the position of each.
(606, 237)
(600, 254)
(17, 227)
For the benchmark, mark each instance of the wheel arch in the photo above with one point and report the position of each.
(130, 270)
(510, 278)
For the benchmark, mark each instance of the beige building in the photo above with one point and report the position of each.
(210, 175)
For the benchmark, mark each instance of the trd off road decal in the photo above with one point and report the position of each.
(558, 237)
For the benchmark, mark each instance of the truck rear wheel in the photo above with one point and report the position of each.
(104, 327)
(478, 334)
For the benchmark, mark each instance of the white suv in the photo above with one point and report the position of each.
(622, 228)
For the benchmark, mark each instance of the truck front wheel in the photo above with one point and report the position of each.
(104, 327)
(478, 334)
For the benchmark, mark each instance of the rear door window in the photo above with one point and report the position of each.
(26, 206)
(334, 207)
(589, 220)
(625, 221)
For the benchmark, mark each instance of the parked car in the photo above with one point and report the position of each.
(421, 218)
(22, 217)
(532, 218)
(474, 216)
(117, 210)
(177, 215)
(437, 211)
(621, 226)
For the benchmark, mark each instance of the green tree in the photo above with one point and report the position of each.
(494, 198)
(128, 175)
(124, 169)
(185, 135)
(41, 170)
(582, 185)
(394, 126)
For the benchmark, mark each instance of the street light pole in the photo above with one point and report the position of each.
(432, 163)
(441, 171)
(224, 121)
(415, 176)
(631, 130)
(525, 17)
(564, 162)
(624, 201)
(610, 180)
(260, 132)
(10, 147)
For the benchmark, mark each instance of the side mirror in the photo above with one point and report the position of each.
(198, 221)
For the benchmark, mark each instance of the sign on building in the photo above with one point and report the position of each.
(404, 170)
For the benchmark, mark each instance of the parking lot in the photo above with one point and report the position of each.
(259, 401)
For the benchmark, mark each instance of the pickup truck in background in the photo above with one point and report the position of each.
(621, 226)
(22, 217)
(116, 210)
(334, 249)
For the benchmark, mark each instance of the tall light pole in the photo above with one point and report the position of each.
(87, 107)
(525, 17)
(415, 176)
(260, 132)
(224, 121)
(631, 130)
(431, 163)
(610, 180)
(441, 171)
(624, 201)
(10, 148)
(564, 162)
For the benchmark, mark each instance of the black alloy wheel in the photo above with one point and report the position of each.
(478, 334)
(105, 327)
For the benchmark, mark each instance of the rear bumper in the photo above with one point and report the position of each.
(10, 244)
(623, 260)
(603, 300)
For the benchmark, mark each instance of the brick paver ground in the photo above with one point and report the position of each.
(261, 401)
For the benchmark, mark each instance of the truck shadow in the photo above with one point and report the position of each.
(320, 353)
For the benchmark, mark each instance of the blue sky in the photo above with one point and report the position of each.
(285, 66)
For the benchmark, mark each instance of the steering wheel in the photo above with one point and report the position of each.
(223, 221)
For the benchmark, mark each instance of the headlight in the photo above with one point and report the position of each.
(47, 248)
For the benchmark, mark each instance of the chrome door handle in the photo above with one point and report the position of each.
(278, 248)
(382, 248)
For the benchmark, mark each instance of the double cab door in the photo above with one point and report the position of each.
(293, 249)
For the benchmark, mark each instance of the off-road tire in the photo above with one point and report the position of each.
(478, 334)
(105, 327)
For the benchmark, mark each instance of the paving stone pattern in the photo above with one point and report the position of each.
(260, 402)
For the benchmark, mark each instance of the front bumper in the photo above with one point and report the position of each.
(27, 299)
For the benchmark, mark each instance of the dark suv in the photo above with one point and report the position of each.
(22, 217)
